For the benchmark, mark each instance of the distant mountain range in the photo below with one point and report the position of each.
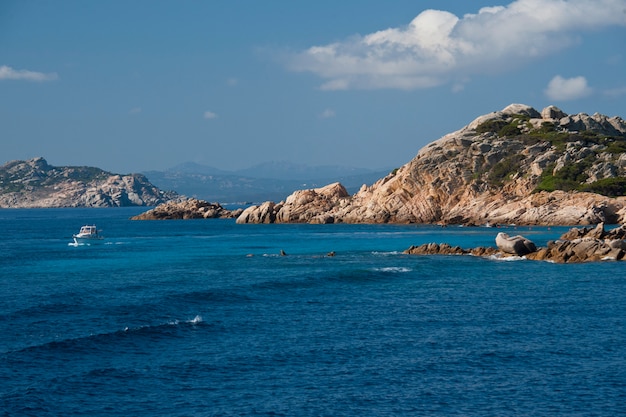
(266, 181)
(35, 183)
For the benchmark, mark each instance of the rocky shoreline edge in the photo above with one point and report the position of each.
(191, 208)
(514, 166)
(578, 245)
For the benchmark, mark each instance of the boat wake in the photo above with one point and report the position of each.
(81, 244)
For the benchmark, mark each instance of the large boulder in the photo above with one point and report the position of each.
(264, 213)
(552, 113)
(515, 245)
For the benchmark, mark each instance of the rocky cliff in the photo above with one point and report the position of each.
(35, 183)
(517, 165)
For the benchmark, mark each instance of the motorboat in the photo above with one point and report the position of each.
(87, 234)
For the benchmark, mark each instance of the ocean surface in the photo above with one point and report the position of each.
(205, 318)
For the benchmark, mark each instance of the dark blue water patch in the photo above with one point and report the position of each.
(208, 297)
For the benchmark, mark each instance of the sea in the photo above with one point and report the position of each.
(207, 318)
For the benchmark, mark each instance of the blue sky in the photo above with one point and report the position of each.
(130, 86)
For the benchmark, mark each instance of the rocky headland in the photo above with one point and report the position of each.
(517, 166)
(188, 209)
(578, 245)
(35, 183)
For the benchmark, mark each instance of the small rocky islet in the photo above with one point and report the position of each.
(186, 209)
(578, 245)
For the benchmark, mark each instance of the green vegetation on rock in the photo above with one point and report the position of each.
(518, 128)
(504, 169)
(572, 177)
(86, 174)
(611, 187)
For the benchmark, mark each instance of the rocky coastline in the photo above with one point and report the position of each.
(517, 166)
(188, 209)
(578, 245)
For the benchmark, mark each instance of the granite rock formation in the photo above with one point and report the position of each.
(585, 245)
(35, 183)
(187, 209)
(447, 249)
(578, 245)
(516, 245)
(303, 206)
(517, 165)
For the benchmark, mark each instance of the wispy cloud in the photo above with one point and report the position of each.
(8, 73)
(327, 114)
(563, 89)
(438, 47)
(210, 115)
(135, 110)
(615, 92)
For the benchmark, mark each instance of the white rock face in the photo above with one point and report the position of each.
(34, 183)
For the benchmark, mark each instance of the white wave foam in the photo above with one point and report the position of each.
(394, 269)
(507, 258)
(196, 320)
(386, 253)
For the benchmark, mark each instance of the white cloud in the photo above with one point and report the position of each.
(615, 92)
(563, 89)
(8, 73)
(437, 47)
(327, 114)
(210, 115)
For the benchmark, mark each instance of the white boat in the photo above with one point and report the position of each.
(87, 234)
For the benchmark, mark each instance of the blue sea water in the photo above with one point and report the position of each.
(205, 318)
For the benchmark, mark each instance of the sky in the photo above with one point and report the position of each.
(133, 86)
